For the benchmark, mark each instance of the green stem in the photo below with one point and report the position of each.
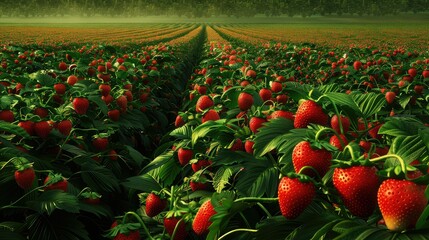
(348, 147)
(139, 220)
(311, 168)
(22, 197)
(401, 161)
(256, 199)
(322, 131)
(264, 209)
(244, 219)
(238, 230)
(176, 228)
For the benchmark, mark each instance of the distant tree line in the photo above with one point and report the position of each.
(208, 8)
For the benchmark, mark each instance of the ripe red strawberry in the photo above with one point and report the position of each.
(210, 115)
(265, 94)
(335, 124)
(195, 186)
(390, 97)
(373, 132)
(357, 65)
(255, 123)
(248, 146)
(401, 203)
(304, 155)
(41, 112)
(282, 114)
(104, 89)
(418, 89)
(202, 222)
(24, 177)
(43, 128)
(412, 72)
(154, 205)
(58, 183)
(357, 186)
(122, 102)
(184, 156)
(62, 66)
(425, 74)
(237, 145)
(65, 127)
(310, 112)
(179, 121)
(170, 224)
(100, 143)
(28, 126)
(200, 165)
(276, 87)
(251, 73)
(132, 235)
(80, 105)
(203, 103)
(334, 141)
(7, 116)
(245, 101)
(294, 196)
(114, 114)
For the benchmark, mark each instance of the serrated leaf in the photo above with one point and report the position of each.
(423, 220)
(146, 183)
(409, 148)
(184, 132)
(99, 211)
(221, 177)
(271, 135)
(99, 178)
(369, 103)
(404, 100)
(75, 150)
(135, 155)
(213, 129)
(66, 225)
(51, 200)
(258, 179)
(344, 101)
(158, 161)
(401, 126)
(13, 129)
(99, 102)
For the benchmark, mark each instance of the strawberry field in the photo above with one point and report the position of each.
(213, 131)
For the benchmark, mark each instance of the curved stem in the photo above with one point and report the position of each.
(238, 230)
(139, 220)
(348, 147)
(401, 161)
(22, 197)
(244, 219)
(176, 228)
(264, 209)
(256, 199)
(322, 131)
(311, 168)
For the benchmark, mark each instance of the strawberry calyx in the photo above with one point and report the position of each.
(54, 178)
(90, 195)
(122, 228)
(302, 177)
(23, 165)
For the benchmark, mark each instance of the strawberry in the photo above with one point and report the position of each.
(43, 128)
(122, 102)
(62, 66)
(91, 197)
(401, 203)
(265, 94)
(282, 98)
(245, 101)
(56, 182)
(255, 123)
(104, 89)
(200, 165)
(210, 115)
(179, 121)
(412, 72)
(100, 143)
(304, 155)
(203, 103)
(373, 130)
(7, 116)
(202, 222)
(154, 205)
(132, 235)
(171, 223)
(294, 196)
(345, 123)
(237, 145)
(425, 74)
(80, 105)
(276, 87)
(65, 127)
(251, 73)
(282, 114)
(357, 65)
(184, 156)
(41, 112)
(248, 146)
(24, 176)
(357, 186)
(195, 186)
(310, 112)
(334, 141)
(114, 114)
(390, 97)
(28, 126)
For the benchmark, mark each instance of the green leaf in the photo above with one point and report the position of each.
(99, 102)
(135, 155)
(99, 178)
(422, 222)
(344, 101)
(369, 103)
(13, 129)
(51, 200)
(221, 177)
(258, 178)
(61, 225)
(184, 132)
(270, 136)
(409, 148)
(7, 234)
(145, 183)
(11, 226)
(75, 150)
(159, 161)
(404, 100)
(99, 211)
(213, 129)
(324, 230)
(401, 126)
(277, 227)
